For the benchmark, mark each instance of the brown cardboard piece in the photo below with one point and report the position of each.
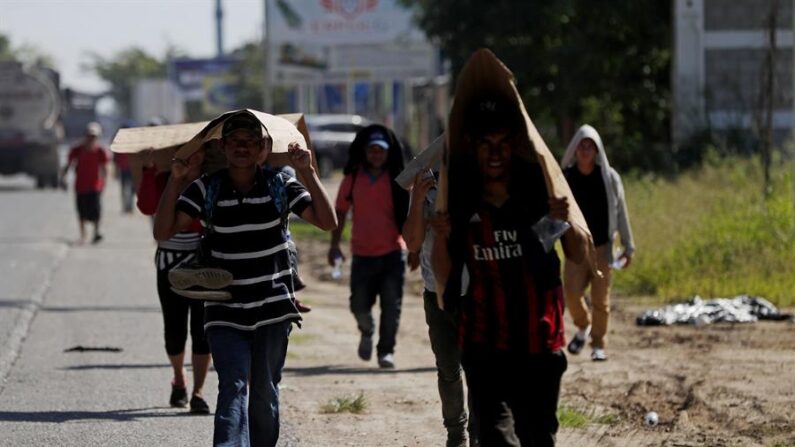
(484, 72)
(181, 140)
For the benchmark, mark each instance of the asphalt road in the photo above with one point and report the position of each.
(55, 295)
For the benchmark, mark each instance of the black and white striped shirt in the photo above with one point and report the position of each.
(250, 241)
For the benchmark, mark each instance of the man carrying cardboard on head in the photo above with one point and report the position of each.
(248, 333)
(502, 182)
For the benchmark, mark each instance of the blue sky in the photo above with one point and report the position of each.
(68, 30)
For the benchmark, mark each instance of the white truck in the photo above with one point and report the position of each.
(30, 127)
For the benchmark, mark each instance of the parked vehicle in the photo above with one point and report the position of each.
(331, 135)
(30, 130)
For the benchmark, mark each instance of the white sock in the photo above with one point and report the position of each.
(582, 334)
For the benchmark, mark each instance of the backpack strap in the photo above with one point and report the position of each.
(210, 199)
(278, 189)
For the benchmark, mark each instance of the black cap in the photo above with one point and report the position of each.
(242, 121)
(490, 113)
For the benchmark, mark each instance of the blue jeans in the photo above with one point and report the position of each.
(384, 276)
(242, 417)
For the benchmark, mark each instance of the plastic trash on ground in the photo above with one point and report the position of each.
(699, 312)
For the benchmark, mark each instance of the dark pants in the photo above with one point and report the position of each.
(247, 414)
(88, 206)
(443, 332)
(382, 276)
(175, 319)
(515, 397)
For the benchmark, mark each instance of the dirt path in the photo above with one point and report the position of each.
(713, 386)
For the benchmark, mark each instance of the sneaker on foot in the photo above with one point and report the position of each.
(578, 342)
(179, 397)
(97, 239)
(206, 277)
(386, 361)
(598, 355)
(206, 295)
(365, 347)
(198, 405)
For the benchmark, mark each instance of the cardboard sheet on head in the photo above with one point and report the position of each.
(182, 140)
(484, 75)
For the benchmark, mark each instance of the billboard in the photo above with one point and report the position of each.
(314, 40)
(339, 22)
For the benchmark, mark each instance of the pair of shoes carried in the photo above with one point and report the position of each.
(598, 355)
(179, 397)
(578, 342)
(203, 294)
(386, 361)
(194, 275)
(200, 283)
(365, 350)
(198, 405)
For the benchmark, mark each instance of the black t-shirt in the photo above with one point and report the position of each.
(589, 191)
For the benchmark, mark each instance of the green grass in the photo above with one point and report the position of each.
(569, 417)
(347, 404)
(300, 338)
(302, 230)
(711, 232)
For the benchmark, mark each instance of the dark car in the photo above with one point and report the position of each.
(331, 135)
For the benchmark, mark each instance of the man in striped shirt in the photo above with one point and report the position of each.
(248, 334)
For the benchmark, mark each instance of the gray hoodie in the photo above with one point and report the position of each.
(617, 212)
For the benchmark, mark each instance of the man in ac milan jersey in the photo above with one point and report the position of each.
(511, 327)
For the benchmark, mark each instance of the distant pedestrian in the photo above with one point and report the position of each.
(379, 207)
(247, 334)
(90, 161)
(599, 193)
(123, 173)
(500, 185)
(442, 324)
(178, 310)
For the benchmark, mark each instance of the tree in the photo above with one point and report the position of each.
(6, 53)
(26, 54)
(574, 62)
(123, 69)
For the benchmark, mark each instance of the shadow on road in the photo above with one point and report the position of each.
(111, 415)
(118, 366)
(142, 309)
(344, 370)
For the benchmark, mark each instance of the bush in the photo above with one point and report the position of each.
(712, 232)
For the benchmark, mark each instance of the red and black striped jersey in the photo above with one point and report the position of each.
(515, 299)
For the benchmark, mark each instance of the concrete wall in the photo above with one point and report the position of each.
(719, 65)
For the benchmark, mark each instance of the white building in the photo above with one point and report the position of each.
(719, 67)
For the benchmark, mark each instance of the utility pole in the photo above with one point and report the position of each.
(219, 29)
(267, 91)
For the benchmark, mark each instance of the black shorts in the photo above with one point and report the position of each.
(88, 206)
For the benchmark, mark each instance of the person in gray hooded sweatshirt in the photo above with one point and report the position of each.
(600, 194)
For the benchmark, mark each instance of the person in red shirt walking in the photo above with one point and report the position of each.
(379, 210)
(90, 160)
